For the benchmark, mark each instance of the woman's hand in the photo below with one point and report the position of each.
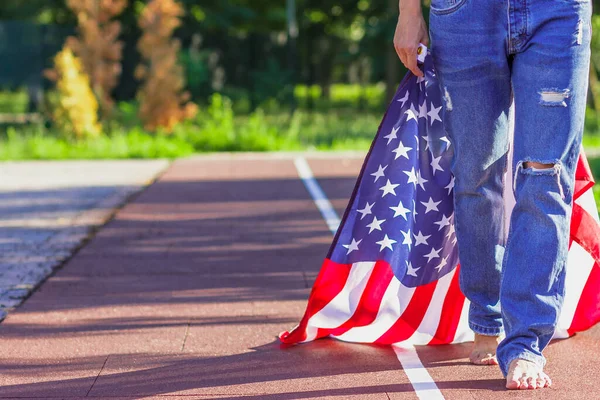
(410, 31)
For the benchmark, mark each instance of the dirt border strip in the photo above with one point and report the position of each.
(423, 384)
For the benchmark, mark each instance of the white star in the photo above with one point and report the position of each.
(412, 178)
(442, 264)
(386, 242)
(434, 113)
(401, 151)
(376, 224)
(366, 211)
(445, 139)
(421, 180)
(445, 221)
(420, 79)
(423, 109)
(352, 246)
(389, 188)
(379, 172)
(433, 254)
(407, 240)
(435, 164)
(410, 270)
(450, 230)
(414, 211)
(403, 100)
(412, 113)
(431, 205)
(400, 210)
(392, 135)
(427, 141)
(421, 239)
(454, 240)
(450, 185)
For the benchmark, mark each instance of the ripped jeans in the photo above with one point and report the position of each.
(532, 55)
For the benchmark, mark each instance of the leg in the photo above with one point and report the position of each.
(468, 48)
(550, 73)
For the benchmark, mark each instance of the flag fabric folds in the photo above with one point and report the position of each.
(391, 273)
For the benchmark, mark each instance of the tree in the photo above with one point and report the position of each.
(97, 45)
(162, 103)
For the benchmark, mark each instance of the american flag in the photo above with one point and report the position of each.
(391, 274)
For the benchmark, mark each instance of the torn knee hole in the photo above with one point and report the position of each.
(554, 97)
(536, 165)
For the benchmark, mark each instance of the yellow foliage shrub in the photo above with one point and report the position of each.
(76, 111)
(162, 102)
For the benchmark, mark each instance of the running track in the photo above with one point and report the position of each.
(182, 295)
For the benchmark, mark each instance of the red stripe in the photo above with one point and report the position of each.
(329, 283)
(451, 310)
(584, 179)
(586, 231)
(587, 312)
(370, 299)
(411, 318)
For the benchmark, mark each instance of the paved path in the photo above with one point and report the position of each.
(182, 294)
(48, 209)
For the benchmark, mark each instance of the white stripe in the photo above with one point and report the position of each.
(587, 201)
(579, 267)
(422, 382)
(393, 304)
(343, 306)
(463, 332)
(424, 386)
(323, 204)
(431, 320)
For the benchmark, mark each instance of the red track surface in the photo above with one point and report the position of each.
(183, 293)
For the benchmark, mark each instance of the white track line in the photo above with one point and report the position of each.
(423, 384)
(323, 204)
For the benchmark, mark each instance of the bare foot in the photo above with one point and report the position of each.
(524, 374)
(484, 350)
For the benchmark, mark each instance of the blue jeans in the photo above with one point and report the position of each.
(487, 54)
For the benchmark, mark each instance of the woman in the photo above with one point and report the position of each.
(487, 54)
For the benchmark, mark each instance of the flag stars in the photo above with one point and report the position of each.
(423, 110)
(412, 177)
(407, 239)
(431, 205)
(412, 113)
(434, 114)
(450, 230)
(400, 210)
(435, 164)
(450, 186)
(420, 180)
(366, 211)
(404, 99)
(401, 150)
(352, 246)
(375, 224)
(379, 173)
(392, 135)
(433, 254)
(389, 188)
(410, 270)
(442, 264)
(421, 239)
(445, 221)
(386, 242)
(446, 140)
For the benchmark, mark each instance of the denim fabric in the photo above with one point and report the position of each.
(531, 56)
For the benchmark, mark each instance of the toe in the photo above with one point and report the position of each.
(512, 383)
(531, 382)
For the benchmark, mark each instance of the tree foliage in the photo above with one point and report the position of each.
(162, 103)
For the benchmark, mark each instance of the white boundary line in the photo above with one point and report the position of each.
(423, 384)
